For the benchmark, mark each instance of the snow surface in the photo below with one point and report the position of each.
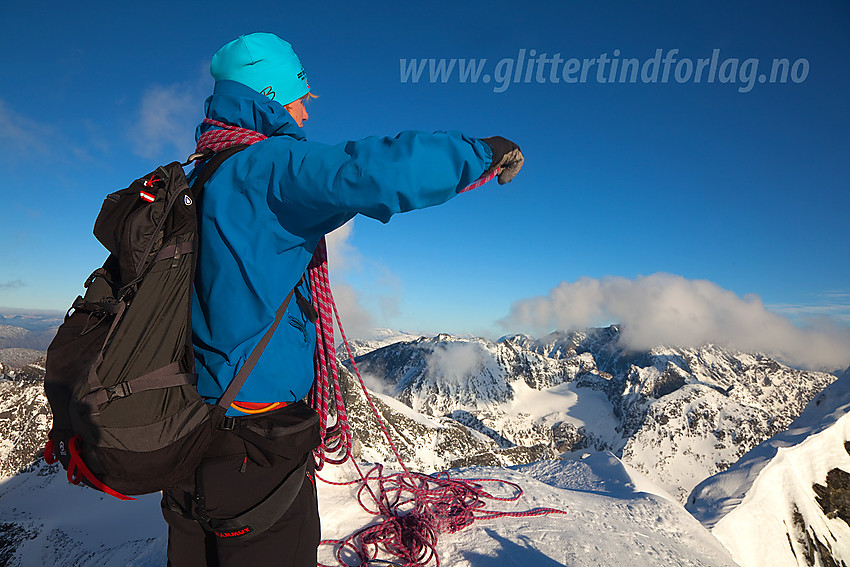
(608, 521)
(568, 402)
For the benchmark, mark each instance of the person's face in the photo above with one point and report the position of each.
(297, 110)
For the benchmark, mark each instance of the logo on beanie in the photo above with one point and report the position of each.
(301, 74)
(268, 92)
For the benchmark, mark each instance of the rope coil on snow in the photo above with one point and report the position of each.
(415, 507)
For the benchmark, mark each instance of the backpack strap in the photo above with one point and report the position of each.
(212, 163)
(165, 377)
(239, 380)
(232, 390)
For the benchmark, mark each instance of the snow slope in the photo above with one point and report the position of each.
(608, 522)
(785, 502)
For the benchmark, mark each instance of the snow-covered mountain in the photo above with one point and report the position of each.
(427, 444)
(19, 337)
(11, 359)
(378, 339)
(25, 417)
(677, 415)
(787, 501)
(610, 509)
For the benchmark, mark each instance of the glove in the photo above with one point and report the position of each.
(506, 155)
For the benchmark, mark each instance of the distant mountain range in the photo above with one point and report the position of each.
(36, 321)
(19, 346)
(677, 415)
(24, 336)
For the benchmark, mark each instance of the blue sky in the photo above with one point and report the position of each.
(746, 190)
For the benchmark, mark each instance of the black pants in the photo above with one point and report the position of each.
(238, 473)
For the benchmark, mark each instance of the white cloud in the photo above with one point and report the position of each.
(357, 319)
(833, 304)
(345, 256)
(168, 115)
(12, 284)
(19, 134)
(167, 119)
(668, 309)
(455, 360)
(361, 312)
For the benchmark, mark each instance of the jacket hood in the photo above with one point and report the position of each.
(239, 105)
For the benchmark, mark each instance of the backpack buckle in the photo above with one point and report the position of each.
(228, 423)
(118, 391)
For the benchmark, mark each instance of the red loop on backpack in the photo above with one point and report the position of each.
(50, 453)
(150, 182)
(76, 467)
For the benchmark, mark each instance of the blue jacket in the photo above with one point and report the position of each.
(263, 213)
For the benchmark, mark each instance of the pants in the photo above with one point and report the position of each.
(236, 474)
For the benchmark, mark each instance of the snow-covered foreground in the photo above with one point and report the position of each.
(612, 518)
(608, 520)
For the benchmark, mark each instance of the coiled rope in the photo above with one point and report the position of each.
(414, 508)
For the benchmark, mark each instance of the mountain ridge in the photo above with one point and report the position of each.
(680, 407)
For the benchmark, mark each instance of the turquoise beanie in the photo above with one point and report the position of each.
(263, 62)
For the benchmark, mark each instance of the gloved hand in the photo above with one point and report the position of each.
(506, 155)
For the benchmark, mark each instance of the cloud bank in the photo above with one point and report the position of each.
(455, 361)
(666, 309)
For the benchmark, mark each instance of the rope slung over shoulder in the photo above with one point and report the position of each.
(415, 507)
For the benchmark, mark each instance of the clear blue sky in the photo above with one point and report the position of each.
(748, 190)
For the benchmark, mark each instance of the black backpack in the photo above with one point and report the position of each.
(120, 380)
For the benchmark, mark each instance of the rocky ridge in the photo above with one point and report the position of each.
(678, 415)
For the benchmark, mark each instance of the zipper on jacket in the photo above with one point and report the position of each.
(300, 325)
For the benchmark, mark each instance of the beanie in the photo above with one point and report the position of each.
(264, 62)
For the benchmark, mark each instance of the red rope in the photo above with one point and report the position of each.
(481, 180)
(225, 135)
(336, 438)
(415, 508)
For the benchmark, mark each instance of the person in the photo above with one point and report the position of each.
(263, 212)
